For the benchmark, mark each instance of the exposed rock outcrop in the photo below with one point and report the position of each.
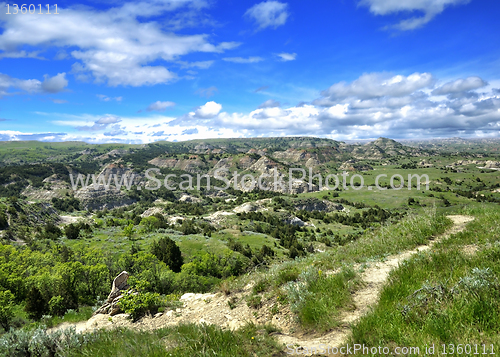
(100, 198)
(120, 285)
(314, 204)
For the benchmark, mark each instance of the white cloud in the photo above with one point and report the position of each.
(54, 84)
(108, 119)
(111, 46)
(376, 104)
(208, 110)
(159, 106)
(105, 98)
(376, 85)
(460, 85)
(243, 60)
(430, 9)
(270, 103)
(198, 64)
(268, 14)
(287, 56)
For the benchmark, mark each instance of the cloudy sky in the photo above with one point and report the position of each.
(144, 71)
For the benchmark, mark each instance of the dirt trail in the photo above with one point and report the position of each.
(232, 312)
(373, 279)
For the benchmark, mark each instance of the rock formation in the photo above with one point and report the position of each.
(120, 285)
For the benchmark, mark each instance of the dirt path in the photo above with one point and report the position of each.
(231, 311)
(373, 279)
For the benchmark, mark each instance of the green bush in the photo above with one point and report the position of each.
(254, 301)
(285, 275)
(138, 304)
(57, 306)
(6, 308)
(260, 286)
(40, 343)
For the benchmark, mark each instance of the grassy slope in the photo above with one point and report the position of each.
(459, 300)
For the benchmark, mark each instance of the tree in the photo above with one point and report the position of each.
(3, 221)
(72, 231)
(52, 231)
(36, 306)
(168, 252)
(6, 308)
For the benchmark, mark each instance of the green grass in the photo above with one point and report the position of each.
(317, 299)
(71, 316)
(449, 295)
(181, 341)
(410, 232)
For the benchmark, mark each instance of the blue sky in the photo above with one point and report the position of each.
(139, 72)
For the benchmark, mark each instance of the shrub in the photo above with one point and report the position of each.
(6, 308)
(260, 286)
(42, 344)
(286, 275)
(128, 231)
(138, 304)
(57, 306)
(254, 301)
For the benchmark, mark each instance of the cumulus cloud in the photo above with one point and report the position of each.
(100, 124)
(54, 84)
(284, 57)
(270, 103)
(108, 119)
(376, 85)
(373, 105)
(243, 60)
(460, 85)
(159, 106)
(268, 14)
(115, 130)
(111, 46)
(206, 111)
(429, 8)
